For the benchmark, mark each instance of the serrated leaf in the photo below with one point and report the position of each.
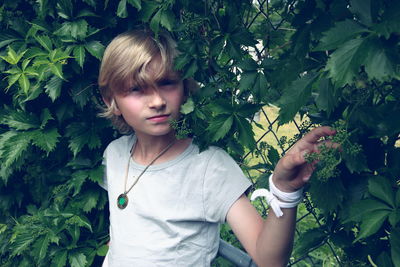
(20, 120)
(167, 19)
(191, 69)
(15, 148)
(53, 87)
(328, 195)
(56, 69)
(76, 181)
(294, 97)
(23, 240)
(81, 221)
(12, 57)
(45, 42)
(343, 64)
(219, 127)
(362, 8)
(79, 54)
(80, 135)
(381, 188)
(245, 132)
(90, 200)
(95, 48)
(326, 99)
(273, 155)
(59, 259)
(364, 208)
(121, 10)
(24, 83)
(394, 218)
(46, 139)
(248, 64)
(42, 245)
(309, 240)
(339, 34)
(77, 259)
(371, 224)
(378, 64)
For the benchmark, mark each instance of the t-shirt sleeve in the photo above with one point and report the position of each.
(103, 184)
(224, 183)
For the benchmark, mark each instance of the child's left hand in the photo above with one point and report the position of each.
(292, 170)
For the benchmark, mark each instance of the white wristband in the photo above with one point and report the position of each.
(278, 199)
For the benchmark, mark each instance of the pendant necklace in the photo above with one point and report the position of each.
(122, 200)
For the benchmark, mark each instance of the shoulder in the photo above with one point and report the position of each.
(120, 145)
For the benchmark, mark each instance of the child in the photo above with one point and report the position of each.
(166, 199)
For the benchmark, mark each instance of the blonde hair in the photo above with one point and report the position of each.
(124, 62)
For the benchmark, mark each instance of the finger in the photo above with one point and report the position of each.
(315, 134)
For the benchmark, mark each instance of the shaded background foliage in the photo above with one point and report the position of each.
(333, 62)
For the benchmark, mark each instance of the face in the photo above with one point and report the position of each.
(148, 109)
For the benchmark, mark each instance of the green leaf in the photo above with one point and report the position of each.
(77, 259)
(53, 87)
(339, 34)
(89, 200)
(371, 224)
(395, 246)
(136, 3)
(121, 10)
(364, 208)
(167, 19)
(45, 42)
(13, 146)
(102, 251)
(245, 132)
(343, 64)
(381, 188)
(362, 8)
(12, 57)
(24, 83)
(155, 21)
(20, 120)
(46, 139)
(148, 9)
(327, 195)
(79, 54)
(248, 64)
(41, 246)
(378, 63)
(59, 258)
(309, 240)
(220, 126)
(56, 68)
(188, 107)
(394, 217)
(81, 135)
(294, 97)
(81, 221)
(95, 48)
(327, 99)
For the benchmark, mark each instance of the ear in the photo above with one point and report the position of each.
(112, 104)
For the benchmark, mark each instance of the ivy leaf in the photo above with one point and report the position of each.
(95, 48)
(53, 87)
(56, 68)
(309, 240)
(45, 42)
(188, 107)
(13, 146)
(81, 221)
(294, 97)
(372, 223)
(77, 259)
(24, 83)
(395, 246)
(102, 251)
(89, 200)
(339, 34)
(220, 126)
(77, 180)
(81, 134)
(155, 21)
(40, 246)
(344, 63)
(79, 54)
(167, 19)
(381, 188)
(362, 8)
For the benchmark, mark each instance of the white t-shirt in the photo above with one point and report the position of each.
(174, 211)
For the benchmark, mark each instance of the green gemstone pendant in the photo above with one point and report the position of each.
(122, 201)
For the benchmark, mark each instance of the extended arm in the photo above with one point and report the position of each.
(270, 242)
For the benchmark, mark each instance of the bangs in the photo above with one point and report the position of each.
(127, 60)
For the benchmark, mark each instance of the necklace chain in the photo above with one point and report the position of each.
(122, 200)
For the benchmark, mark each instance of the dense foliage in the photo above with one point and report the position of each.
(335, 62)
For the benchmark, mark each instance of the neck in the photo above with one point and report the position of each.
(147, 149)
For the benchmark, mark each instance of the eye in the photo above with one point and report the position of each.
(167, 82)
(134, 89)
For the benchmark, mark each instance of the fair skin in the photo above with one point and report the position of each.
(148, 110)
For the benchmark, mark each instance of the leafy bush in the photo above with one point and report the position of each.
(328, 60)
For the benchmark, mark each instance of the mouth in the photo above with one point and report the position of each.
(159, 118)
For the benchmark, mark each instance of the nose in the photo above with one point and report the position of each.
(156, 99)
